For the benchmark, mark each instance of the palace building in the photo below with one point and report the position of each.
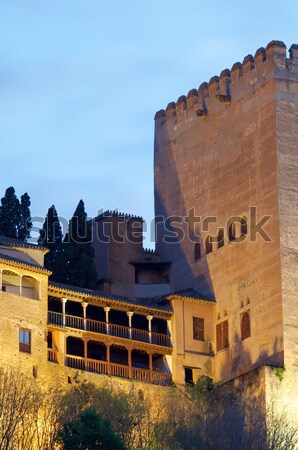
(218, 296)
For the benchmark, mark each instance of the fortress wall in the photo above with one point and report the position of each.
(287, 153)
(215, 151)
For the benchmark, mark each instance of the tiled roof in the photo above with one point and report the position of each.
(193, 294)
(160, 303)
(22, 244)
(19, 257)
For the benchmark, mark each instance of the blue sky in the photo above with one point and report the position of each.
(80, 82)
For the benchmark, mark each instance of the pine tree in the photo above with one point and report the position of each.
(25, 223)
(50, 236)
(79, 253)
(9, 214)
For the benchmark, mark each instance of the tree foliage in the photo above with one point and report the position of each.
(9, 214)
(15, 216)
(90, 432)
(78, 251)
(25, 223)
(50, 236)
(88, 417)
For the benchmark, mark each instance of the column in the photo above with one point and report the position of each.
(150, 367)
(106, 310)
(149, 318)
(129, 315)
(129, 363)
(109, 358)
(84, 306)
(63, 301)
(85, 353)
(0, 280)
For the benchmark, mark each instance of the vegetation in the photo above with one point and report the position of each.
(78, 251)
(50, 236)
(107, 418)
(15, 217)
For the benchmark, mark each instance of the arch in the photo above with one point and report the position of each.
(208, 245)
(30, 287)
(119, 354)
(96, 350)
(220, 238)
(245, 325)
(244, 226)
(11, 282)
(198, 251)
(74, 346)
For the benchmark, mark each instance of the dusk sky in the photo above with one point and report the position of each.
(80, 82)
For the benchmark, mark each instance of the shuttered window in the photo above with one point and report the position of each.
(222, 335)
(25, 340)
(198, 329)
(245, 325)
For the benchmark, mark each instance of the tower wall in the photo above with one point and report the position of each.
(287, 160)
(216, 157)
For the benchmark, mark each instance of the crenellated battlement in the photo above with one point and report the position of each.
(232, 84)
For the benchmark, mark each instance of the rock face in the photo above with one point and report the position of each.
(226, 154)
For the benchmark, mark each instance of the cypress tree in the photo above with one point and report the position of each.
(50, 236)
(9, 214)
(79, 253)
(25, 223)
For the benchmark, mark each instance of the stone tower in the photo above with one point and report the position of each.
(226, 201)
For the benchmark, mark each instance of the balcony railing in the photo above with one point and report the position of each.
(117, 370)
(111, 329)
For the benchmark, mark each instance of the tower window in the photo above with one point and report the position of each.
(197, 251)
(222, 335)
(188, 375)
(245, 325)
(232, 232)
(208, 245)
(220, 238)
(25, 340)
(243, 226)
(198, 329)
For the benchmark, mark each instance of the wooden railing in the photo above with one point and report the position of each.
(117, 370)
(52, 355)
(121, 331)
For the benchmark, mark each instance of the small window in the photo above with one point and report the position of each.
(243, 226)
(25, 340)
(208, 245)
(232, 232)
(222, 335)
(188, 375)
(197, 251)
(245, 325)
(220, 238)
(198, 329)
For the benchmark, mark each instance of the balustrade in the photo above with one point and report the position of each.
(117, 370)
(111, 329)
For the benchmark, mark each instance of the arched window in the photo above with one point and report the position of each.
(220, 238)
(232, 232)
(208, 245)
(197, 251)
(244, 226)
(245, 325)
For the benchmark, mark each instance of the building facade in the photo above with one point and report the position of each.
(218, 297)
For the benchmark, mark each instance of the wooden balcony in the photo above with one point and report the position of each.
(117, 370)
(60, 320)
